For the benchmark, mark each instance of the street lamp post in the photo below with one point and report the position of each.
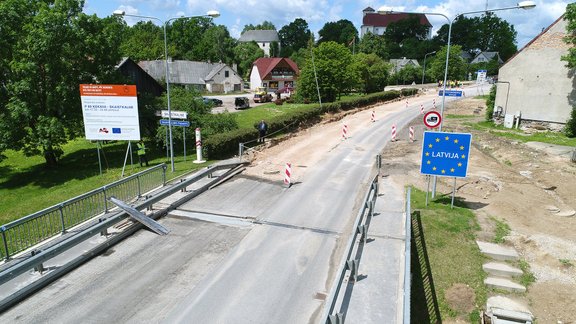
(212, 14)
(424, 68)
(387, 10)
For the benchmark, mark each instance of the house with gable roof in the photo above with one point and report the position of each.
(265, 39)
(375, 23)
(535, 83)
(202, 76)
(274, 73)
(144, 82)
(486, 57)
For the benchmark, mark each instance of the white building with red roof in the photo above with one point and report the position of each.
(375, 23)
(274, 73)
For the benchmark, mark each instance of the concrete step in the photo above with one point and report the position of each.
(497, 252)
(504, 283)
(500, 269)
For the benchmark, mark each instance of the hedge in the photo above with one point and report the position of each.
(225, 145)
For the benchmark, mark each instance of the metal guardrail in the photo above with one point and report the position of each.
(407, 258)
(37, 259)
(30, 230)
(355, 244)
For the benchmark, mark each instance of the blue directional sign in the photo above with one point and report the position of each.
(451, 93)
(445, 154)
(181, 123)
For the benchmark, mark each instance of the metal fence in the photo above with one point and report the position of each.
(30, 230)
(407, 258)
(332, 314)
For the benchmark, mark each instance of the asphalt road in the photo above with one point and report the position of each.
(248, 251)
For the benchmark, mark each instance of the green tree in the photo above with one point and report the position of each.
(184, 38)
(143, 32)
(407, 38)
(199, 115)
(246, 53)
(374, 44)
(477, 34)
(57, 48)
(570, 59)
(372, 71)
(216, 45)
(342, 32)
(407, 75)
(294, 36)
(570, 38)
(332, 62)
(456, 65)
(266, 25)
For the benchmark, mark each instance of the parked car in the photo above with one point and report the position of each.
(242, 102)
(212, 101)
(261, 95)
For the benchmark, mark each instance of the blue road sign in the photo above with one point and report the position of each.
(181, 123)
(445, 154)
(451, 93)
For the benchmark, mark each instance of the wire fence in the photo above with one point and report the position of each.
(30, 230)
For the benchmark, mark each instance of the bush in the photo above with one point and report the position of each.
(490, 103)
(570, 128)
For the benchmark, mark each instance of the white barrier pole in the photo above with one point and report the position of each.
(198, 147)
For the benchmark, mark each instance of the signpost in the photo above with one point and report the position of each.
(432, 119)
(180, 123)
(445, 155)
(451, 93)
(481, 78)
(175, 114)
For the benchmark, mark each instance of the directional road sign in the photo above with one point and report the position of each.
(432, 119)
(445, 154)
(451, 93)
(181, 123)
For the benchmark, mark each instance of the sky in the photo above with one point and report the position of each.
(235, 14)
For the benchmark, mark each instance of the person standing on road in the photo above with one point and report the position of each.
(142, 153)
(262, 129)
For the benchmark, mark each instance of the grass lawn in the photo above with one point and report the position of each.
(447, 241)
(519, 135)
(27, 186)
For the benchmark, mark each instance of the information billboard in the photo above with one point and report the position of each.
(110, 112)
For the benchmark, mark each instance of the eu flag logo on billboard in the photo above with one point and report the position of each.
(445, 154)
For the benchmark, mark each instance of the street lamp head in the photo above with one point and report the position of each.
(119, 12)
(385, 10)
(526, 4)
(213, 14)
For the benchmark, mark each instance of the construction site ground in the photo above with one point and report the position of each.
(529, 186)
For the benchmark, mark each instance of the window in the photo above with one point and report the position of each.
(226, 74)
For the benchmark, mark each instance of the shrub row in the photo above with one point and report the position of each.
(225, 145)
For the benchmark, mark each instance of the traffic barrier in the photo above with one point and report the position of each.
(393, 132)
(373, 117)
(406, 103)
(198, 147)
(344, 131)
(411, 134)
(287, 174)
(422, 109)
(434, 103)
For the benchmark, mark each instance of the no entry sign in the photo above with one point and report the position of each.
(432, 119)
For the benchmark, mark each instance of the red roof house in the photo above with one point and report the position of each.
(273, 73)
(376, 23)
